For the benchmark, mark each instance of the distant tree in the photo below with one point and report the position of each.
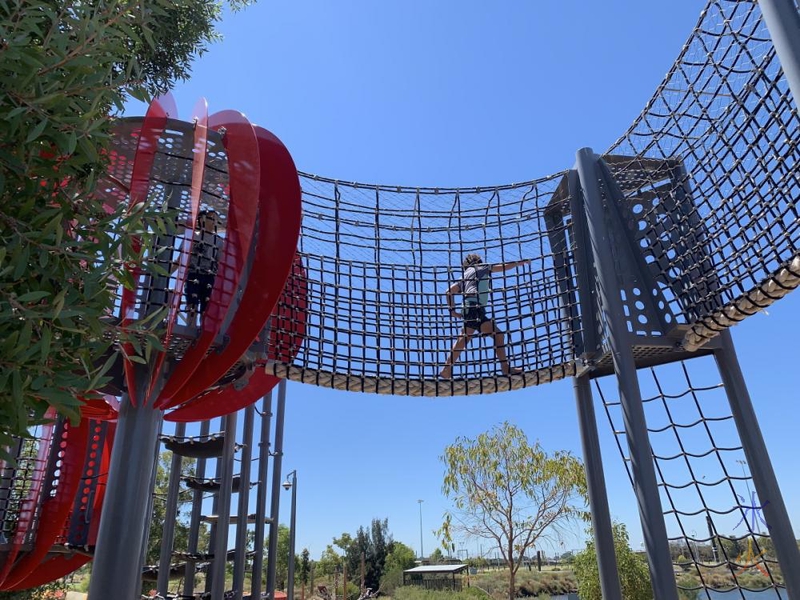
(159, 516)
(370, 545)
(282, 561)
(509, 492)
(634, 574)
(436, 557)
(328, 562)
(304, 571)
(399, 558)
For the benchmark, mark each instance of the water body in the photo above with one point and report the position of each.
(768, 594)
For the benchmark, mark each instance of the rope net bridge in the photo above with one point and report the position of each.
(707, 187)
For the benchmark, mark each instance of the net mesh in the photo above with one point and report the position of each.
(717, 532)
(709, 181)
(725, 110)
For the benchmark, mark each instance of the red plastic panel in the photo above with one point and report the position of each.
(279, 217)
(28, 506)
(54, 568)
(153, 126)
(200, 118)
(58, 566)
(242, 149)
(55, 510)
(100, 409)
(287, 330)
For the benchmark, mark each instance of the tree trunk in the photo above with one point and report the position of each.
(511, 579)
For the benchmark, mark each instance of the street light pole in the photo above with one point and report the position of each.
(421, 551)
(293, 527)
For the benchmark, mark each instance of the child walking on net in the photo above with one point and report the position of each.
(474, 287)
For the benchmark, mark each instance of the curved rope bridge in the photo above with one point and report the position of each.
(708, 187)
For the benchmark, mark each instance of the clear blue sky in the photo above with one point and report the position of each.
(460, 93)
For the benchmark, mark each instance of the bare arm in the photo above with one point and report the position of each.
(451, 291)
(509, 265)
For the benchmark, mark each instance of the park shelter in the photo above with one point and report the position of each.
(435, 577)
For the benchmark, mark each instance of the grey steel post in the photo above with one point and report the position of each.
(194, 520)
(170, 517)
(646, 486)
(596, 485)
(224, 511)
(116, 572)
(593, 462)
(261, 497)
(292, 532)
(755, 450)
(277, 463)
(243, 508)
(783, 22)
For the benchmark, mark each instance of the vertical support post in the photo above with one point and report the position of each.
(224, 512)
(275, 505)
(755, 450)
(646, 485)
(194, 521)
(170, 517)
(598, 498)
(116, 572)
(243, 505)
(292, 537)
(261, 497)
(590, 442)
(783, 22)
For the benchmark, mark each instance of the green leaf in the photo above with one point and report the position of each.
(36, 131)
(33, 296)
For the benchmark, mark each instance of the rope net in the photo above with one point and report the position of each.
(378, 261)
(717, 225)
(717, 533)
(725, 110)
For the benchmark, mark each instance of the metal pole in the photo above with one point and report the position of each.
(755, 450)
(125, 520)
(646, 486)
(421, 551)
(598, 499)
(272, 552)
(170, 517)
(292, 531)
(261, 497)
(243, 507)
(783, 22)
(224, 513)
(194, 521)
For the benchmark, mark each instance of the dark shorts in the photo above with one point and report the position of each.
(198, 290)
(475, 316)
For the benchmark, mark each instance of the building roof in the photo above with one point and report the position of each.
(437, 569)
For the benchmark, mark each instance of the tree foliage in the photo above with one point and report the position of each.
(371, 546)
(160, 516)
(399, 558)
(510, 492)
(634, 575)
(66, 66)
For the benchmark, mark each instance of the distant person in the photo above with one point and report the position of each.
(203, 264)
(474, 287)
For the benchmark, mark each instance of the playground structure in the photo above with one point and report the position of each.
(642, 258)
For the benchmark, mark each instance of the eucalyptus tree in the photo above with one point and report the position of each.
(512, 493)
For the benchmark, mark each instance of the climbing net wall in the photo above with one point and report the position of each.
(716, 528)
(725, 110)
(710, 185)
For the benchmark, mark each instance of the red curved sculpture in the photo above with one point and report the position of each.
(262, 216)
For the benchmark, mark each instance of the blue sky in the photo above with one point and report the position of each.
(461, 93)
